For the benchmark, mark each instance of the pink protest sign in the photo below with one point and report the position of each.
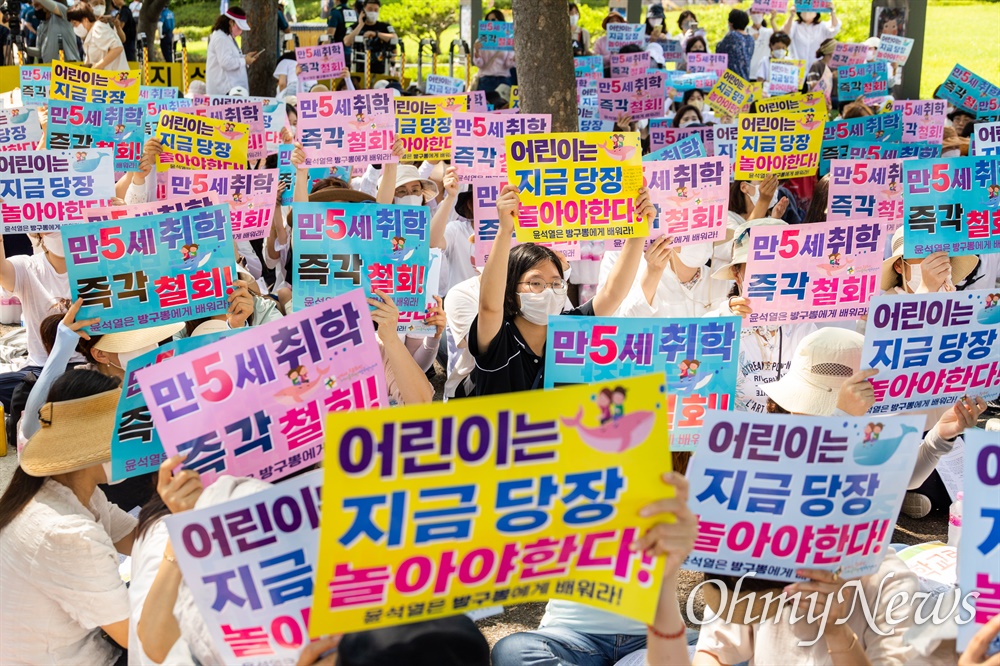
(627, 65)
(640, 97)
(251, 195)
(848, 54)
(707, 62)
(661, 135)
(350, 127)
(691, 198)
(258, 407)
(866, 190)
(923, 119)
(249, 113)
(172, 205)
(477, 141)
(768, 6)
(818, 272)
(323, 61)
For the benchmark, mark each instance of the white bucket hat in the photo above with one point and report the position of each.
(741, 246)
(821, 364)
(407, 173)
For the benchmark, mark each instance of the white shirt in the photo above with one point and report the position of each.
(672, 299)
(761, 46)
(461, 307)
(40, 290)
(458, 252)
(764, 352)
(147, 553)
(287, 68)
(225, 66)
(60, 579)
(806, 38)
(101, 39)
(588, 620)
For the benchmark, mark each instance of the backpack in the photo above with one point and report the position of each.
(18, 400)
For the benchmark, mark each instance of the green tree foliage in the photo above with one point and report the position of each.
(421, 18)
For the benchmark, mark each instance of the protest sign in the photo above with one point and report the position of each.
(586, 191)
(640, 97)
(477, 141)
(894, 49)
(20, 129)
(159, 207)
(436, 84)
(978, 559)
(691, 199)
(809, 103)
(923, 120)
(821, 6)
(247, 112)
(883, 128)
(623, 34)
(414, 323)
(848, 54)
(867, 149)
(350, 127)
(249, 564)
(338, 247)
(43, 190)
(930, 349)
(147, 93)
(251, 196)
(323, 61)
(135, 443)
(489, 549)
(784, 145)
(730, 95)
(689, 146)
(784, 78)
(424, 125)
(724, 140)
(986, 139)
(673, 51)
(627, 65)
(156, 107)
(496, 35)
(196, 142)
(662, 134)
(79, 125)
(951, 205)
(148, 271)
(78, 83)
(970, 91)
(678, 83)
(768, 6)
(275, 119)
(869, 80)
(35, 81)
(866, 190)
(163, 75)
(588, 67)
(707, 62)
(696, 355)
(823, 271)
(776, 493)
(271, 391)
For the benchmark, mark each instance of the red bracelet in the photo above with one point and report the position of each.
(668, 637)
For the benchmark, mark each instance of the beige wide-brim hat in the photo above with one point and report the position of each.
(73, 435)
(821, 364)
(407, 173)
(960, 266)
(741, 246)
(129, 341)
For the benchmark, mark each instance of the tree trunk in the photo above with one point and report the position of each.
(262, 15)
(149, 16)
(546, 77)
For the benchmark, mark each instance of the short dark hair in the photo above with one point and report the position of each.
(737, 200)
(684, 109)
(686, 14)
(495, 12)
(694, 40)
(630, 48)
(739, 18)
(80, 11)
(780, 38)
(522, 259)
(688, 94)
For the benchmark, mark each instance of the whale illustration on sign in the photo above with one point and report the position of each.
(614, 436)
(691, 383)
(989, 315)
(88, 165)
(295, 393)
(880, 450)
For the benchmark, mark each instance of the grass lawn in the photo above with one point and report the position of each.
(963, 31)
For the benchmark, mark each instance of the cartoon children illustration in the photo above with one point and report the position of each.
(693, 367)
(993, 191)
(123, 76)
(237, 197)
(869, 429)
(119, 128)
(299, 376)
(876, 431)
(688, 367)
(618, 400)
(682, 192)
(230, 127)
(834, 258)
(617, 141)
(81, 156)
(992, 300)
(398, 243)
(189, 252)
(603, 401)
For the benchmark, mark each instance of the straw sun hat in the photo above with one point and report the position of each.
(129, 341)
(74, 435)
(960, 266)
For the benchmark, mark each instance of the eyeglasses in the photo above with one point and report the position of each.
(538, 286)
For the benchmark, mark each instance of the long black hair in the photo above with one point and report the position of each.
(522, 259)
(72, 385)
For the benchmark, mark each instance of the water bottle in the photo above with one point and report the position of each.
(955, 521)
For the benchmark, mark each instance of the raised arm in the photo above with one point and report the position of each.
(411, 382)
(7, 275)
(623, 274)
(387, 186)
(440, 220)
(493, 283)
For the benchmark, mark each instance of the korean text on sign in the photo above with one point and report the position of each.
(952, 205)
(196, 142)
(883, 128)
(848, 54)
(809, 103)
(923, 120)
(258, 408)
(477, 141)
(682, 149)
(867, 190)
(35, 80)
(77, 83)
(691, 198)
(930, 349)
(731, 94)
(697, 357)
(986, 139)
(775, 493)
(869, 80)
(640, 97)
(972, 92)
(79, 125)
(623, 34)
(785, 145)
(441, 509)
(351, 127)
(496, 35)
(44, 190)
(661, 135)
(250, 194)
(148, 271)
(250, 565)
(323, 61)
(338, 247)
(249, 113)
(627, 65)
(707, 62)
(102, 213)
(436, 84)
(424, 125)
(20, 129)
(824, 271)
(894, 49)
(577, 186)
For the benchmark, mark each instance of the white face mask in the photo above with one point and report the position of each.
(98, 10)
(80, 31)
(574, 19)
(755, 197)
(107, 474)
(697, 103)
(53, 242)
(808, 17)
(125, 357)
(779, 54)
(567, 273)
(756, 18)
(871, 55)
(410, 200)
(656, 23)
(536, 308)
(694, 256)
(371, 17)
(688, 122)
(915, 277)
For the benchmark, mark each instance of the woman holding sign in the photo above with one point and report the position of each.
(494, 66)
(808, 32)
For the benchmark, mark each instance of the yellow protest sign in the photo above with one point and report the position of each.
(164, 75)
(440, 509)
(75, 83)
(731, 94)
(785, 145)
(424, 125)
(196, 72)
(577, 186)
(809, 103)
(196, 142)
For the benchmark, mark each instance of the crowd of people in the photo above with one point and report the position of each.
(63, 527)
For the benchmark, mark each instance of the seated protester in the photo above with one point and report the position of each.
(448, 641)
(601, 45)
(247, 307)
(821, 71)
(696, 98)
(687, 116)
(60, 538)
(696, 44)
(494, 66)
(461, 306)
(779, 44)
(857, 109)
(376, 37)
(765, 352)
(520, 289)
(753, 200)
(286, 73)
(927, 275)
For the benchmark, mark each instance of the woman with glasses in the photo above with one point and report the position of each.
(520, 289)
